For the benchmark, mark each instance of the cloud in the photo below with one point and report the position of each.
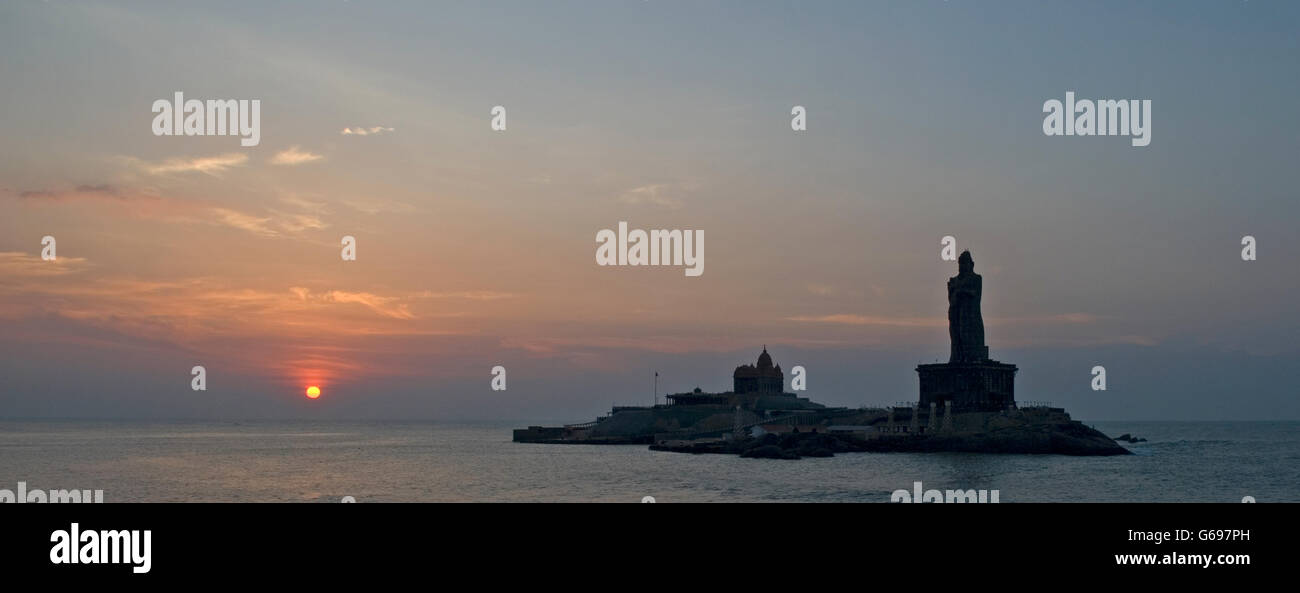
(268, 226)
(173, 211)
(294, 223)
(139, 204)
(1080, 341)
(591, 351)
(476, 295)
(196, 308)
(377, 206)
(294, 156)
(388, 306)
(239, 220)
(1046, 319)
(657, 194)
(371, 131)
(103, 190)
(379, 304)
(211, 165)
(850, 319)
(15, 264)
(305, 204)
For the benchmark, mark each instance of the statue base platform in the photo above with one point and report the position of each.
(986, 385)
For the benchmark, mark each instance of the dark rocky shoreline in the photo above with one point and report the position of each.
(1072, 438)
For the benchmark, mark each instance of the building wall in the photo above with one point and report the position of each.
(774, 383)
(970, 386)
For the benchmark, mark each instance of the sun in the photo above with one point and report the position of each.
(313, 392)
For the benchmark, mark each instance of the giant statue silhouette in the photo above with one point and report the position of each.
(965, 324)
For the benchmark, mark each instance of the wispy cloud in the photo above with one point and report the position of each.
(295, 223)
(1066, 318)
(275, 224)
(850, 319)
(197, 308)
(81, 191)
(476, 295)
(1080, 341)
(371, 131)
(657, 194)
(880, 320)
(376, 206)
(211, 165)
(240, 220)
(591, 351)
(294, 155)
(305, 204)
(139, 203)
(821, 289)
(16, 264)
(388, 306)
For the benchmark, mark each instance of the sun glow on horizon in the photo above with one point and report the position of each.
(313, 392)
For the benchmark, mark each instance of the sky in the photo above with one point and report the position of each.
(475, 247)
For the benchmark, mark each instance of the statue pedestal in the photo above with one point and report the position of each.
(987, 385)
(969, 381)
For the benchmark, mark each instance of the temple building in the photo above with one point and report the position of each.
(756, 387)
(759, 378)
(970, 380)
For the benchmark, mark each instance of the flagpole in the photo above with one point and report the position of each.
(656, 388)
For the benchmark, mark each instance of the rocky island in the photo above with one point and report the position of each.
(966, 405)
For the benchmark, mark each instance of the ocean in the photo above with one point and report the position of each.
(275, 461)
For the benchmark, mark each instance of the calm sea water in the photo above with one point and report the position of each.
(390, 461)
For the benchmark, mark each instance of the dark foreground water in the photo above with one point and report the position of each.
(390, 461)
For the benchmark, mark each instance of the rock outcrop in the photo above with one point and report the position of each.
(1052, 434)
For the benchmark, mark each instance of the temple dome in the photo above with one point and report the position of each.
(760, 378)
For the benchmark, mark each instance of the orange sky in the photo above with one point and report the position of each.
(476, 247)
